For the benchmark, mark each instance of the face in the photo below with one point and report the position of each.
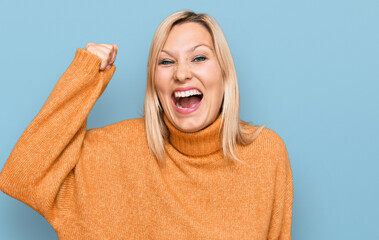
(188, 78)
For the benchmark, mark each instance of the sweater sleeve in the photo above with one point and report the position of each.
(46, 154)
(281, 219)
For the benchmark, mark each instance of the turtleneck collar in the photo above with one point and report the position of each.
(201, 143)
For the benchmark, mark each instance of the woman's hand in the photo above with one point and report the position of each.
(107, 53)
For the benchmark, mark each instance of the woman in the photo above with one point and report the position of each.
(190, 169)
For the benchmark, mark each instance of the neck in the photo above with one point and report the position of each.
(200, 143)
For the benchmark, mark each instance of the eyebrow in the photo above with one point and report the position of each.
(191, 49)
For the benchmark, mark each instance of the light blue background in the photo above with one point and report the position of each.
(309, 68)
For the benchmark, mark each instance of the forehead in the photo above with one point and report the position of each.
(186, 35)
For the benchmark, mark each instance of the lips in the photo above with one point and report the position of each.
(186, 100)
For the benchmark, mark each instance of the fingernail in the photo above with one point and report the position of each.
(109, 66)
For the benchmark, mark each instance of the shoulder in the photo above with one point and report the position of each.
(265, 136)
(131, 129)
(121, 146)
(267, 144)
(270, 138)
(125, 124)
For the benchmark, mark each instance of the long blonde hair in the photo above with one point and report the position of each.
(233, 130)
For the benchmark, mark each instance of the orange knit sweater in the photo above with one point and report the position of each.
(105, 184)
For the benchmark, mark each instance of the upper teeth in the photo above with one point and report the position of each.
(187, 93)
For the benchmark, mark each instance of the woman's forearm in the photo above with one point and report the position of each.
(49, 148)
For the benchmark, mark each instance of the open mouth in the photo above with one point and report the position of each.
(187, 100)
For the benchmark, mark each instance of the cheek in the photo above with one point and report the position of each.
(211, 71)
(213, 79)
(218, 95)
(162, 79)
(217, 85)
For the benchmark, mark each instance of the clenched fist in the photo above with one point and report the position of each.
(107, 53)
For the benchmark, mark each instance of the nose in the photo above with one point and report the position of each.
(182, 72)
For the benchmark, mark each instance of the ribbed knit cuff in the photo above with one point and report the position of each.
(85, 62)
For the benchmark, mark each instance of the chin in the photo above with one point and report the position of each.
(188, 125)
(191, 124)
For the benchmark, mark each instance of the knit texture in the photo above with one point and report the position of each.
(105, 184)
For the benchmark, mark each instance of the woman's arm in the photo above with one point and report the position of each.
(281, 219)
(46, 154)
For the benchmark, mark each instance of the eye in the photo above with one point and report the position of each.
(165, 62)
(199, 59)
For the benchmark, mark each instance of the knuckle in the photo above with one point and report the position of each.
(88, 45)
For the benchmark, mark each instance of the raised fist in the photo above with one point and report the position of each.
(107, 53)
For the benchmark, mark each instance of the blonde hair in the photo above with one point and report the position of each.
(233, 130)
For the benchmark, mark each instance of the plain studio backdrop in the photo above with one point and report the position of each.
(308, 68)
